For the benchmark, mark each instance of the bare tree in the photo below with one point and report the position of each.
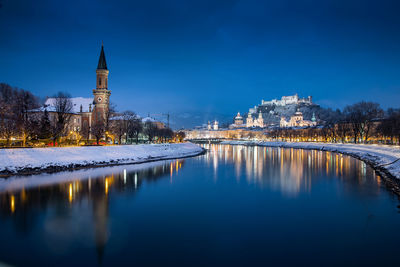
(7, 93)
(7, 120)
(180, 136)
(150, 129)
(98, 130)
(108, 115)
(119, 129)
(45, 126)
(164, 134)
(119, 125)
(396, 125)
(343, 129)
(390, 126)
(9, 129)
(361, 116)
(63, 109)
(15, 118)
(85, 131)
(134, 126)
(26, 121)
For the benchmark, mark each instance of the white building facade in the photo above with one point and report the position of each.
(297, 120)
(258, 122)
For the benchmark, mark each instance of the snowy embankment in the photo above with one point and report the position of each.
(32, 160)
(380, 157)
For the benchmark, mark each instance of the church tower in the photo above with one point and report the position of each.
(260, 120)
(101, 93)
(249, 120)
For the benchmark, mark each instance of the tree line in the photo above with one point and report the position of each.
(362, 122)
(23, 118)
(130, 126)
(14, 106)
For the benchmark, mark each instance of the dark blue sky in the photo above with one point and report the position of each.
(218, 56)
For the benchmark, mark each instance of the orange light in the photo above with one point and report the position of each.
(70, 193)
(12, 204)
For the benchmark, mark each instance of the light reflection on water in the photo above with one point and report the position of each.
(287, 170)
(236, 205)
(18, 192)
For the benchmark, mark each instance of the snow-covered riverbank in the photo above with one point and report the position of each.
(31, 160)
(381, 157)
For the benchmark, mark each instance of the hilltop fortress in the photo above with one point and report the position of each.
(285, 112)
(285, 100)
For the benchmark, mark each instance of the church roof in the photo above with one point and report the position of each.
(123, 117)
(102, 60)
(77, 102)
(150, 119)
(238, 116)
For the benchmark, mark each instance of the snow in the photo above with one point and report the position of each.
(144, 120)
(77, 102)
(124, 117)
(24, 159)
(379, 156)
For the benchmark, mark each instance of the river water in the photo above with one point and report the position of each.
(235, 205)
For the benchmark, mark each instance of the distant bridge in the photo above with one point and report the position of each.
(207, 140)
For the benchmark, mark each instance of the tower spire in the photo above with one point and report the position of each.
(102, 65)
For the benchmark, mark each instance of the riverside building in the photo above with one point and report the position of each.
(85, 112)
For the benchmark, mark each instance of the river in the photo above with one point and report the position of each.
(234, 205)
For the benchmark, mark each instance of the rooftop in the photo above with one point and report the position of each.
(77, 102)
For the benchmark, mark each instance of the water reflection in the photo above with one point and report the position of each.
(24, 199)
(288, 170)
(234, 205)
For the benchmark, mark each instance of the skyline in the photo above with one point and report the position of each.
(199, 132)
(204, 57)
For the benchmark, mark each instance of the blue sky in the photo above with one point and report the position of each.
(204, 56)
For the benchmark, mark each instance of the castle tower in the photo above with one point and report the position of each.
(238, 119)
(260, 120)
(101, 93)
(215, 127)
(249, 120)
(313, 119)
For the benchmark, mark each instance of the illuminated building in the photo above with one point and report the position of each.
(258, 122)
(215, 126)
(285, 100)
(297, 121)
(238, 120)
(85, 112)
